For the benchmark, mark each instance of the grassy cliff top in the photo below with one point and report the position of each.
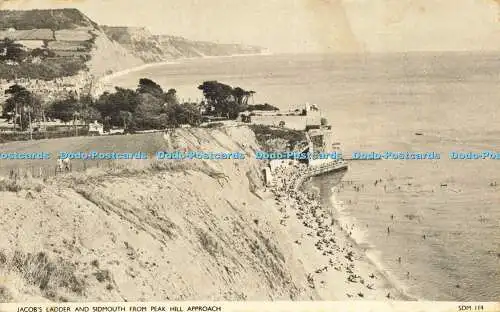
(56, 19)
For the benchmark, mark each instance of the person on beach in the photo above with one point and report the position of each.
(399, 259)
(388, 231)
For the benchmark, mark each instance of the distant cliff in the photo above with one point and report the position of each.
(154, 48)
(64, 42)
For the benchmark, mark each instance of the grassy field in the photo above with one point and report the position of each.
(52, 19)
(73, 35)
(148, 143)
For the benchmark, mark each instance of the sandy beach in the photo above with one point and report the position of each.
(341, 268)
(105, 82)
(110, 77)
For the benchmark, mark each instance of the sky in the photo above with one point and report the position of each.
(296, 26)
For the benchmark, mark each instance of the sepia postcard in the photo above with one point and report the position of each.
(232, 155)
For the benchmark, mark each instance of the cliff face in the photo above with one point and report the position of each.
(108, 56)
(138, 41)
(196, 231)
(155, 48)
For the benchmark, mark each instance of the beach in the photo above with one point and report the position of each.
(106, 81)
(110, 77)
(341, 269)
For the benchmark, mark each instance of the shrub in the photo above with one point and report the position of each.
(263, 133)
(48, 276)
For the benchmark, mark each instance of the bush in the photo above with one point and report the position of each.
(40, 271)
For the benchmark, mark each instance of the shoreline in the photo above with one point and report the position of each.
(339, 260)
(108, 78)
(356, 236)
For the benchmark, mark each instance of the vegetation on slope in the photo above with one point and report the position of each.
(289, 138)
(56, 19)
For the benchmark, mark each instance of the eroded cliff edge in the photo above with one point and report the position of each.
(144, 231)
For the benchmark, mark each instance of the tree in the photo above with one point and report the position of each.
(148, 113)
(126, 116)
(149, 86)
(110, 104)
(241, 96)
(64, 110)
(91, 114)
(22, 105)
(183, 114)
(226, 100)
(218, 95)
(11, 51)
(191, 114)
(171, 97)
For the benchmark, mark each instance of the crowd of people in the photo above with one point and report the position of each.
(331, 238)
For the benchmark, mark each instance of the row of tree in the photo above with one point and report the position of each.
(147, 107)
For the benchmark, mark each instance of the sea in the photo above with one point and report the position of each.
(432, 226)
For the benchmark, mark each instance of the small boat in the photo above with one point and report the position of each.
(419, 133)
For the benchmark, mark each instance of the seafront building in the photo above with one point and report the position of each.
(319, 139)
